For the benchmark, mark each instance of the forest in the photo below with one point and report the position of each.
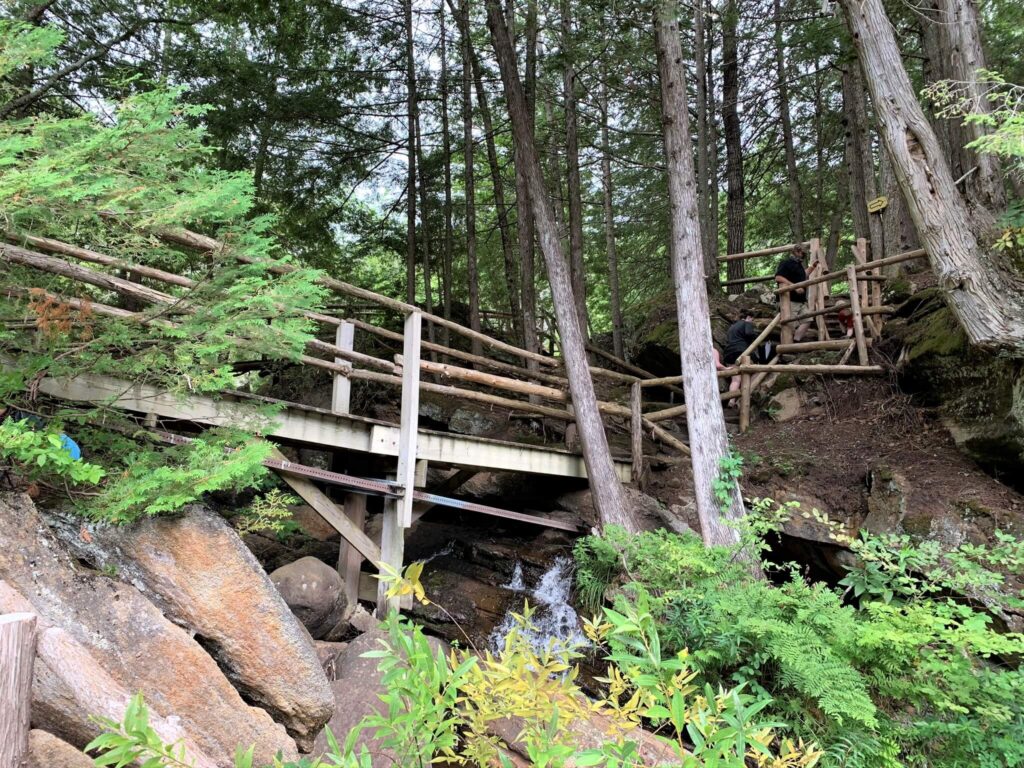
(511, 383)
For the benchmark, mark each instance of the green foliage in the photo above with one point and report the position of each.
(913, 673)
(730, 470)
(269, 513)
(41, 452)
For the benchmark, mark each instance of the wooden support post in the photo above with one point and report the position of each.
(410, 418)
(785, 314)
(17, 657)
(820, 290)
(858, 320)
(744, 396)
(342, 391)
(350, 560)
(392, 550)
(636, 431)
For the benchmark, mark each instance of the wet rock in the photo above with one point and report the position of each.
(196, 569)
(357, 690)
(123, 642)
(47, 751)
(315, 592)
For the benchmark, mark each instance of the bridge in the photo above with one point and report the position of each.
(493, 372)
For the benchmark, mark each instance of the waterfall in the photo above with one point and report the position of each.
(555, 619)
(516, 584)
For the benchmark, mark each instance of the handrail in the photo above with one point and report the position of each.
(762, 252)
(865, 267)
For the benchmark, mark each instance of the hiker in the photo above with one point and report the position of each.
(846, 321)
(789, 272)
(740, 335)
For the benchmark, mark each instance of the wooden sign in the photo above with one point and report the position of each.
(878, 204)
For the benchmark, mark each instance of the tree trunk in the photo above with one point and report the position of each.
(609, 498)
(577, 268)
(988, 301)
(615, 296)
(712, 116)
(446, 150)
(412, 116)
(469, 178)
(856, 149)
(899, 231)
(527, 269)
(735, 209)
(706, 197)
(960, 31)
(796, 214)
(17, 658)
(505, 230)
(428, 278)
(704, 419)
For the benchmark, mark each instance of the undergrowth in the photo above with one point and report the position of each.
(902, 665)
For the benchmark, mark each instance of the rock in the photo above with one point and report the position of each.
(478, 422)
(591, 734)
(328, 654)
(129, 641)
(887, 500)
(808, 528)
(785, 405)
(357, 690)
(47, 751)
(361, 620)
(979, 395)
(196, 569)
(315, 592)
(313, 524)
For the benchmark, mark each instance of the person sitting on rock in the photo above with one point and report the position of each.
(789, 272)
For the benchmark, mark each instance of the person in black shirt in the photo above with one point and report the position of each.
(739, 336)
(790, 271)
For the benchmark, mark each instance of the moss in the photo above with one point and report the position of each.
(934, 330)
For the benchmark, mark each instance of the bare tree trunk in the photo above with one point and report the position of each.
(554, 166)
(412, 117)
(835, 226)
(704, 419)
(987, 299)
(796, 215)
(706, 197)
(527, 269)
(469, 177)
(712, 117)
(615, 296)
(899, 234)
(735, 209)
(483, 103)
(960, 30)
(856, 149)
(609, 498)
(446, 150)
(17, 658)
(428, 278)
(577, 268)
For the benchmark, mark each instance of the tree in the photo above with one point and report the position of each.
(609, 498)
(705, 421)
(792, 174)
(986, 297)
(577, 268)
(735, 208)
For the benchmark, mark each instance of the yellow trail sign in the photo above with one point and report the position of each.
(878, 204)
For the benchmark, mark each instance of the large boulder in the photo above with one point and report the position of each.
(979, 395)
(196, 569)
(130, 642)
(47, 751)
(357, 688)
(315, 593)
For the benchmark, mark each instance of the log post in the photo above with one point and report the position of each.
(350, 559)
(636, 424)
(744, 395)
(392, 551)
(858, 320)
(342, 392)
(821, 290)
(410, 415)
(17, 657)
(786, 313)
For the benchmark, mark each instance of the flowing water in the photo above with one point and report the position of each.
(555, 621)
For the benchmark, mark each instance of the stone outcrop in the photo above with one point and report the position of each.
(47, 751)
(196, 569)
(315, 593)
(980, 396)
(129, 644)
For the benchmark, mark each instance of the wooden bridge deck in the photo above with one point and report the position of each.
(320, 428)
